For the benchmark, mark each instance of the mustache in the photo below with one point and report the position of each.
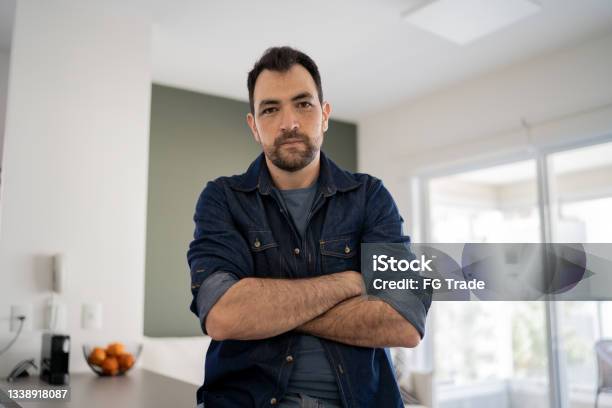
(292, 135)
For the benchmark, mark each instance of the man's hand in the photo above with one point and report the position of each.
(354, 280)
(259, 308)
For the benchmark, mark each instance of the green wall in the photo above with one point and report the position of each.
(196, 138)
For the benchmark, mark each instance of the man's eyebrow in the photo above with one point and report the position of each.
(303, 95)
(268, 102)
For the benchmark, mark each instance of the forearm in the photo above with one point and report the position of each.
(364, 322)
(258, 308)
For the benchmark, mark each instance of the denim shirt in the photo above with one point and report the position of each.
(241, 230)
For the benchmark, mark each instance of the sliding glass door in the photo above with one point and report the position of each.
(488, 353)
(581, 211)
(499, 353)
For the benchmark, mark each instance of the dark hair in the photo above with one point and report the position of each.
(281, 59)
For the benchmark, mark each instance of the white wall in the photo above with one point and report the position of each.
(75, 168)
(4, 74)
(565, 96)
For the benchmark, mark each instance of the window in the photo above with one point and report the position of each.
(496, 353)
(581, 203)
(484, 347)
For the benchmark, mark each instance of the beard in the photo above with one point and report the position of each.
(294, 157)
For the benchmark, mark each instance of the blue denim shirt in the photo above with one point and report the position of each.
(242, 231)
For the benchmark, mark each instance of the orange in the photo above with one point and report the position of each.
(126, 361)
(115, 349)
(110, 366)
(97, 356)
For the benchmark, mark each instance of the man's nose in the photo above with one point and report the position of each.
(289, 120)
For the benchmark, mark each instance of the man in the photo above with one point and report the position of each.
(275, 263)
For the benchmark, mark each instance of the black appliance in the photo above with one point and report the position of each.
(54, 359)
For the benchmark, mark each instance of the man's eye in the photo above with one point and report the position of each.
(304, 105)
(268, 111)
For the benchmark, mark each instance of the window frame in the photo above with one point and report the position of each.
(558, 389)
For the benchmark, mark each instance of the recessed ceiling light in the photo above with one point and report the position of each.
(463, 21)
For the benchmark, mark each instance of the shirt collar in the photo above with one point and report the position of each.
(331, 177)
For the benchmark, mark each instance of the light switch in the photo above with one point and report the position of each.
(91, 316)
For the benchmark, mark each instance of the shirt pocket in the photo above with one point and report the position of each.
(265, 252)
(340, 253)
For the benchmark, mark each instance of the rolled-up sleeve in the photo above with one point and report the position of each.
(385, 225)
(218, 256)
(210, 292)
(411, 306)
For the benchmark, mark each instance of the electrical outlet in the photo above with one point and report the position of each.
(21, 310)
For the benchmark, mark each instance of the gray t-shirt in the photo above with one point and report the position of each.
(312, 373)
(299, 202)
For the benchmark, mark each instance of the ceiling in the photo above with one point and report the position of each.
(370, 58)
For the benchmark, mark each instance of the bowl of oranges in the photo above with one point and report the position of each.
(114, 359)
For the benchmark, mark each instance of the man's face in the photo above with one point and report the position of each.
(289, 121)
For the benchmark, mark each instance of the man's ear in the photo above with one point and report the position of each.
(251, 122)
(326, 108)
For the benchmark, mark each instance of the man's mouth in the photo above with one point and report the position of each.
(292, 141)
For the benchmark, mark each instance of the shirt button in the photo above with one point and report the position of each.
(347, 249)
(256, 244)
(296, 251)
(289, 359)
(273, 401)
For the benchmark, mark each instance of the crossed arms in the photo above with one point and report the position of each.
(331, 306)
